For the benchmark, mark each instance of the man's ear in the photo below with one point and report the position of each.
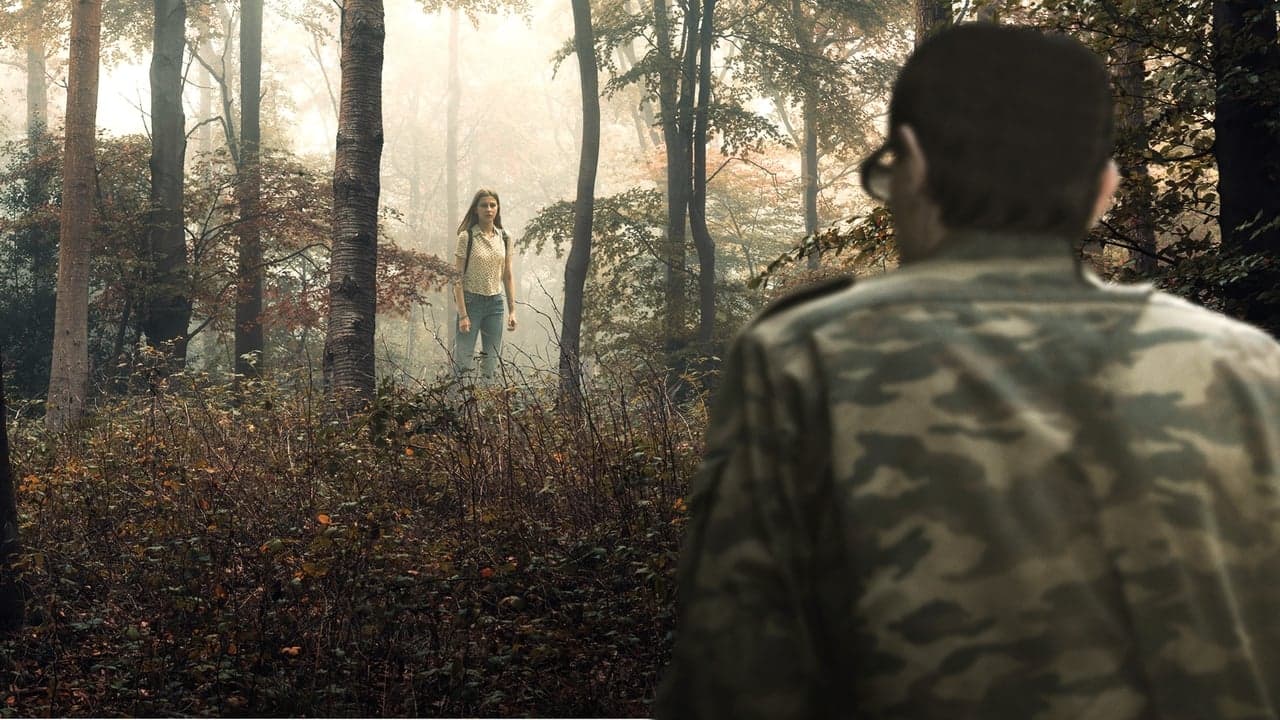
(1107, 186)
(911, 168)
(915, 215)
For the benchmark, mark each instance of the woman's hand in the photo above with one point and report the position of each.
(511, 320)
(464, 325)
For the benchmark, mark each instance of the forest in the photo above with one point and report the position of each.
(238, 475)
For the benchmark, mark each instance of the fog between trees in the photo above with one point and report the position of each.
(519, 128)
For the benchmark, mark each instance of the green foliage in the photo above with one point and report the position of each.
(475, 8)
(28, 266)
(862, 244)
(623, 295)
(1178, 52)
(731, 117)
(840, 55)
(295, 226)
(622, 321)
(445, 555)
(28, 253)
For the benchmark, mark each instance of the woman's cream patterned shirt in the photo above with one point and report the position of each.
(484, 272)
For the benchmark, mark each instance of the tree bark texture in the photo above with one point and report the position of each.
(69, 372)
(931, 16)
(249, 341)
(348, 354)
(168, 308)
(1139, 191)
(579, 260)
(702, 240)
(11, 606)
(678, 183)
(1247, 145)
(809, 164)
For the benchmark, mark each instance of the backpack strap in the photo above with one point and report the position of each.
(506, 247)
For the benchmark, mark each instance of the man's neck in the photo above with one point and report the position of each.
(995, 244)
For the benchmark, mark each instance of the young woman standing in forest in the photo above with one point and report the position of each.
(484, 266)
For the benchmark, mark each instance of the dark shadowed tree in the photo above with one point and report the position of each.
(683, 83)
(702, 240)
(249, 270)
(1246, 64)
(676, 73)
(167, 309)
(575, 269)
(675, 100)
(69, 372)
(348, 352)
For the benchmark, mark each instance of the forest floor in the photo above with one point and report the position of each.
(443, 555)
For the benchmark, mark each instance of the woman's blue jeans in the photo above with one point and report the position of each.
(487, 313)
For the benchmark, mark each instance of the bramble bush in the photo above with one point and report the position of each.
(451, 552)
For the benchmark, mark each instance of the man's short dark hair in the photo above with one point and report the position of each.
(1015, 125)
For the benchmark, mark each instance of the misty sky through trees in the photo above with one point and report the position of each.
(519, 129)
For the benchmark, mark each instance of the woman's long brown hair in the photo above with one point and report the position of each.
(471, 219)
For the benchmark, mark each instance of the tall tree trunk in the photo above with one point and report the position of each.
(1132, 128)
(805, 41)
(348, 353)
(809, 165)
(249, 271)
(168, 303)
(453, 101)
(575, 268)
(37, 84)
(677, 184)
(69, 374)
(702, 240)
(932, 16)
(1247, 146)
(11, 610)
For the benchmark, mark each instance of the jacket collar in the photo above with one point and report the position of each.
(1018, 260)
(984, 245)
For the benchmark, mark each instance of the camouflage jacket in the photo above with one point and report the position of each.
(986, 486)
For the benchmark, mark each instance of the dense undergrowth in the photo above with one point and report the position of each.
(449, 553)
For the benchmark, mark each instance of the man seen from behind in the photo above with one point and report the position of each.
(988, 485)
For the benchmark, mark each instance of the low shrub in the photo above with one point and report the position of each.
(450, 552)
